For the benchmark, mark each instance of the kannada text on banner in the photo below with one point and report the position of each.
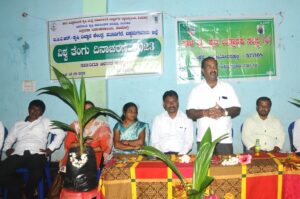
(244, 48)
(108, 45)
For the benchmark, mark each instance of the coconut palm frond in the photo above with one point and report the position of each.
(64, 82)
(61, 125)
(63, 94)
(68, 92)
(151, 151)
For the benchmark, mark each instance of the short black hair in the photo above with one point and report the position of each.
(37, 103)
(264, 98)
(206, 59)
(170, 93)
(126, 107)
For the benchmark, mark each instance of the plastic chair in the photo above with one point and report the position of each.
(290, 130)
(47, 174)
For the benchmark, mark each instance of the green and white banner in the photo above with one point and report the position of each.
(108, 45)
(244, 48)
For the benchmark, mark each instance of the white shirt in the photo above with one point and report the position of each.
(296, 135)
(172, 135)
(33, 136)
(269, 132)
(205, 97)
(1, 135)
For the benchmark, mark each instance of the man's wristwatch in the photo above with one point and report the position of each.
(225, 112)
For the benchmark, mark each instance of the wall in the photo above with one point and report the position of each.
(147, 91)
(24, 56)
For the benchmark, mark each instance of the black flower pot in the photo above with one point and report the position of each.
(81, 177)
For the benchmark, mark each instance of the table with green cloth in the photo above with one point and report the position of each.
(268, 176)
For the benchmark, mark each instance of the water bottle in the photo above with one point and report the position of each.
(257, 146)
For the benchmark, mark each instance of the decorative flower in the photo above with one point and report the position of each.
(212, 195)
(229, 196)
(78, 163)
(185, 159)
(230, 161)
(216, 159)
(245, 159)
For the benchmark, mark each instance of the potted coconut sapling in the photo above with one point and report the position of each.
(81, 170)
(201, 180)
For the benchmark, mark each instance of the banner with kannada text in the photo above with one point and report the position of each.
(108, 45)
(244, 48)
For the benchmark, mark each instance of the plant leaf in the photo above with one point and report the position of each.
(65, 95)
(87, 138)
(295, 102)
(206, 182)
(202, 161)
(63, 126)
(63, 80)
(151, 151)
(67, 92)
(82, 97)
(95, 111)
(104, 111)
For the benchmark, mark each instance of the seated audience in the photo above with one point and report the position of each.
(172, 131)
(26, 146)
(131, 134)
(98, 131)
(263, 126)
(296, 135)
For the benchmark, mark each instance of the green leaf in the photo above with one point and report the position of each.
(68, 92)
(104, 111)
(200, 165)
(63, 80)
(202, 161)
(87, 138)
(82, 97)
(295, 102)
(95, 111)
(63, 126)
(206, 182)
(151, 151)
(65, 95)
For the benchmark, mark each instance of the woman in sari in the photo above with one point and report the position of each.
(131, 134)
(100, 134)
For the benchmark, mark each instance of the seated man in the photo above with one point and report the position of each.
(29, 139)
(172, 131)
(296, 135)
(264, 127)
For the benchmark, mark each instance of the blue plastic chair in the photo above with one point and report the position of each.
(41, 190)
(290, 130)
(47, 174)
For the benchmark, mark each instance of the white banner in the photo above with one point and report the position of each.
(109, 45)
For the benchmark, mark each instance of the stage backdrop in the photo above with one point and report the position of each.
(108, 45)
(244, 48)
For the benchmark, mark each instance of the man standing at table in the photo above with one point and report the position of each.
(213, 103)
(172, 131)
(263, 126)
(25, 147)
